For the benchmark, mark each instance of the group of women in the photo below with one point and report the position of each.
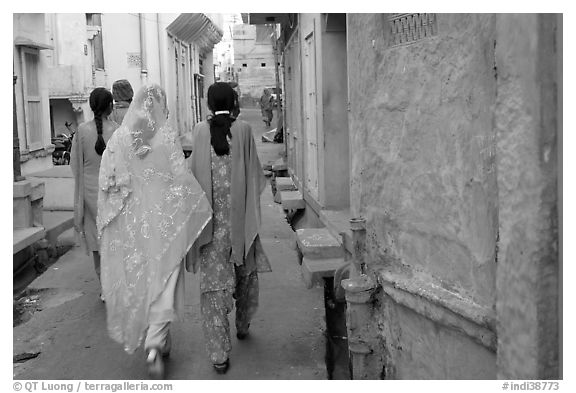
(146, 213)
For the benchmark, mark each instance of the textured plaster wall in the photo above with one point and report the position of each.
(527, 57)
(414, 346)
(423, 170)
(335, 124)
(253, 78)
(423, 173)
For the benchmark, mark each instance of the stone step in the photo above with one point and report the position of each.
(56, 222)
(279, 165)
(58, 187)
(24, 237)
(285, 184)
(318, 243)
(292, 200)
(314, 270)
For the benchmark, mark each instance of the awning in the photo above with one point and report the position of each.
(197, 29)
(23, 41)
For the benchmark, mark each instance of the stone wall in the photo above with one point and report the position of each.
(454, 169)
(528, 124)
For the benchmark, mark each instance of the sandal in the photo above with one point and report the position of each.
(155, 364)
(221, 368)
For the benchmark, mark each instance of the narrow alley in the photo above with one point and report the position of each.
(412, 215)
(286, 340)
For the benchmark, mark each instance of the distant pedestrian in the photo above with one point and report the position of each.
(87, 147)
(266, 106)
(122, 93)
(151, 209)
(229, 253)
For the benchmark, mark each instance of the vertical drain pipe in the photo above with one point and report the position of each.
(359, 289)
(143, 65)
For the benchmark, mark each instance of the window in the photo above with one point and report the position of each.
(244, 65)
(263, 64)
(95, 20)
(32, 98)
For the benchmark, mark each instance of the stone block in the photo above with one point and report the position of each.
(22, 216)
(58, 190)
(21, 189)
(292, 200)
(318, 243)
(279, 165)
(38, 189)
(24, 237)
(314, 270)
(57, 222)
(285, 184)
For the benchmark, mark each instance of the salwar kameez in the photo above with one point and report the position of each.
(220, 279)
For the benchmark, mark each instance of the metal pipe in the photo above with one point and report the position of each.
(160, 59)
(143, 64)
(16, 141)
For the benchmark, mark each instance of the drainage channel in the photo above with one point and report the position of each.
(337, 357)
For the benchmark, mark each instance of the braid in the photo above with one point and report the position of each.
(100, 144)
(100, 103)
(219, 129)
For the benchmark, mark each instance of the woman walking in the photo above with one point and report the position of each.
(228, 254)
(151, 209)
(87, 148)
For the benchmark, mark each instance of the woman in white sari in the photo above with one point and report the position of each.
(151, 209)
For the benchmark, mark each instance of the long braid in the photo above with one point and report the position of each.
(100, 103)
(100, 145)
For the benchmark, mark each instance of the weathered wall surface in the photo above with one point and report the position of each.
(423, 173)
(253, 78)
(414, 344)
(335, 124)
(527, 56)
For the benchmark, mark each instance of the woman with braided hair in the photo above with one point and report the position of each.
(87, 148)
(228, 254)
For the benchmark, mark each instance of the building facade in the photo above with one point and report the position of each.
(253, 61)
(31, 91)
(442, 132)
(77, 52)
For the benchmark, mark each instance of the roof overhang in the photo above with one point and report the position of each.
(266, 19)
(23, 41)
(197, 29)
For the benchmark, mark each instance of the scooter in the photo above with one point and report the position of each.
(63, 146)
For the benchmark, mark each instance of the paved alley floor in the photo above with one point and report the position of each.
(286, 336)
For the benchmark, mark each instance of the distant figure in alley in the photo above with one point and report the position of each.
(266, 106)
(122, 93)
(229, 253)
(151, 209)
(87, 148)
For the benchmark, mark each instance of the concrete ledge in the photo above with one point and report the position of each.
(279, 165)
(38, 190)
(55, 223)
(338, 223)
(292, 200)
(58, 187)
(318, 243)
(21, 189)
(285, 184)
(314, 270)
(24, 237)
(440, 305)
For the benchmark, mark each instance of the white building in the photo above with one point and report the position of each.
(60, 58)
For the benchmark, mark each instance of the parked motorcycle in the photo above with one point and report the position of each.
(63, 146)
